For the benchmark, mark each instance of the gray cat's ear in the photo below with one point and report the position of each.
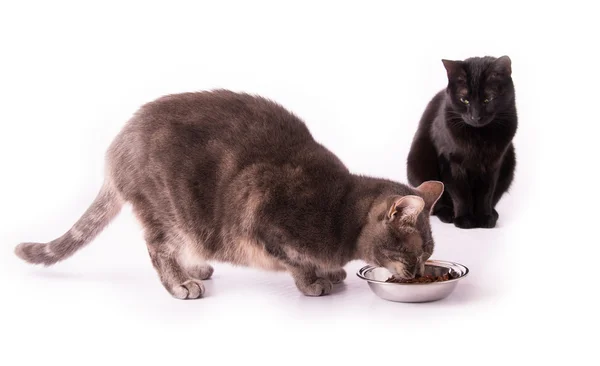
(455, 70)
(503, 66)
(431, 191)
(406, 209)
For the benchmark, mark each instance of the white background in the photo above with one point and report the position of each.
(360, 75)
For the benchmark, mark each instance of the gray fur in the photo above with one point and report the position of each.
(222, 176)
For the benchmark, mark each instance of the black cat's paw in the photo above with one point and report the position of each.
(445, 214)
(465, 222)
(488, 221)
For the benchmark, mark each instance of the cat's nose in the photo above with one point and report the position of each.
(474, 120)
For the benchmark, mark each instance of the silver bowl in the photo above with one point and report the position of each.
(414, 292)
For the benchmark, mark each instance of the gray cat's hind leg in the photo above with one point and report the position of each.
(200, 271)
(164, 250)
(173, 277)
(192, 261)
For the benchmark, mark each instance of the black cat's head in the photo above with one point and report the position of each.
(479, 88)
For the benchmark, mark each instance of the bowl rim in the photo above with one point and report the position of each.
(434, 262)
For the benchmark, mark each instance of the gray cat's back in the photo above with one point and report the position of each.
(213, 159)
(196, 131)
(212, 119)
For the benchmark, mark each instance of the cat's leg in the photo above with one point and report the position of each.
(172, 275)
(491, 187)
(506, 175)
(164, 250)
(308, 282)
(201, 271)
(193, 262)
(334, 275)
(485, 186)
(457, 185)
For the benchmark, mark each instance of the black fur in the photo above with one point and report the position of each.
(465, 138)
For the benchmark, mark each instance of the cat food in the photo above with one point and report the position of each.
(423, 279)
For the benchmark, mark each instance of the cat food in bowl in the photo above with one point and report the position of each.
(422, 279)
(438, 281)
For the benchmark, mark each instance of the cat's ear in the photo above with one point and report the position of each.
(431, 191)
(405, 209)
(502, 67)
(455, 70)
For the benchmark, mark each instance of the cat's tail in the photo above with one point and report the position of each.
(105, 207)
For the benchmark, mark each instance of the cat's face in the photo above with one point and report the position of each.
(398, 235)
(479, 88)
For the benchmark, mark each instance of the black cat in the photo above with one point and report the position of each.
(465, 138)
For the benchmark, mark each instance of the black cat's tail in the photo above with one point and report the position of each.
(105, 207)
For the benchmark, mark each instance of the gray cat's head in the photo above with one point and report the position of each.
(398, 234)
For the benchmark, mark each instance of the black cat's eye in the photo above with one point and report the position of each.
(486, 101)
(464, 101)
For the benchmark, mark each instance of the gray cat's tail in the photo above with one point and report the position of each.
(104, 208)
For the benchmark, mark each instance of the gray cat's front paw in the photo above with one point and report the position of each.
(336, 276)
(320, 287)
(190, 289)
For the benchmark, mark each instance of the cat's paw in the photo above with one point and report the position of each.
(337, 276)
(201, 271)
(445, 214)
(488, 221)
(320, 287)
(465, 222)
(190, 289)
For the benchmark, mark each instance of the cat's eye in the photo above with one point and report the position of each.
(486, 101)
(464, 101)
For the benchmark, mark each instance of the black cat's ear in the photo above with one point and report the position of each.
(405, 209)
(431, 191)
(502, 67)
(455, 70)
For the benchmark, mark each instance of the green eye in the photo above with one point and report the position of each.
(465, 101)
(486, 101)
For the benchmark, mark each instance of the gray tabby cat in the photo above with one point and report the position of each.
(222, 176)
